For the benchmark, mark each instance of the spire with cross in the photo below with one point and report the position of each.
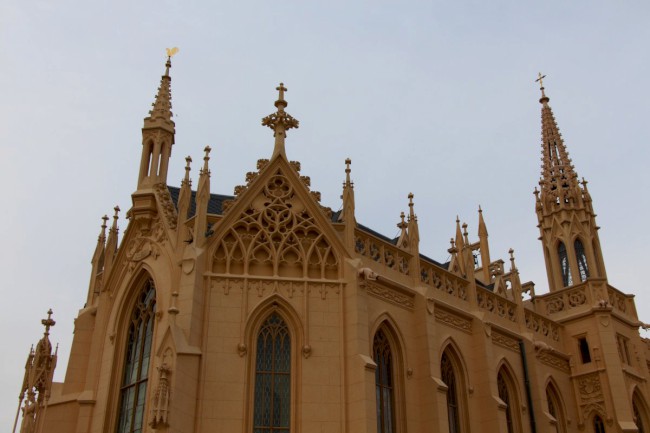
(544, 99)
(280, 122)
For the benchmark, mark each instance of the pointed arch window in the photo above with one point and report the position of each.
(583, 268)
(449, 378)
(136, 365)
(640, 415)
(555, 408)
(508, 395)
(384, 383)
(272, 400)
(599, 426)
(567, 280)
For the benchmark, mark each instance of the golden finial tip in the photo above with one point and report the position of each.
(171, 52)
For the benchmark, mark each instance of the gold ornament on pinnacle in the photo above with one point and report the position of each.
(171, 52)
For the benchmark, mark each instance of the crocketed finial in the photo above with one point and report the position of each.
(280, 122)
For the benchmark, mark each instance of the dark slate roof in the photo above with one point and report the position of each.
(215, 205)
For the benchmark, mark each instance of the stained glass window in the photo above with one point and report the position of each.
(599, 427)
(582, 260)
(384, 385)
(449, 378)
(136, 364)
(272, 402)
(567, 280)
(504, 395)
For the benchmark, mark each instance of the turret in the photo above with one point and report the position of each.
(158, 134)
(567, 223)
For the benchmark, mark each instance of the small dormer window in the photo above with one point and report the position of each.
(582, 260)
(567, 280)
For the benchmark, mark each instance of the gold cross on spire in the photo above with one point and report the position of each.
(540, 79)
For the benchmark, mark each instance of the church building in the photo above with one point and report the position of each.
(267, 312)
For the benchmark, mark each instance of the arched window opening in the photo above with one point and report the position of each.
(272, 400)
(136, 365)
(384, 383)
(555, 408)
(567, 280)
(508, 395)
(640, 415)
(583, 268)
(599, 427)
(449, 378)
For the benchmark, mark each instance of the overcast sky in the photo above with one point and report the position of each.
(434, 98)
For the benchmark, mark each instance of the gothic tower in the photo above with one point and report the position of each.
(567, 222)
(600, 322)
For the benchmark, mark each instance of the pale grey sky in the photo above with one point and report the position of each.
(430, 97)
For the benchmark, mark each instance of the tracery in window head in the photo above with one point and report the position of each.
(137, 361)
(272, 399)
(567, 280)
(384, 382)
(448, 376)
(583, 268)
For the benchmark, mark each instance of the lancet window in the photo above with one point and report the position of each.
(137, 361)
(449, 378)
(640, 415)
(555, 408)
(583, 268)
(508, 396)
(567, 280)
(272, 399)
(384, 383)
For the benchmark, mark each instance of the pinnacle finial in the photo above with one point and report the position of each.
(280, 122)
(544, 99)
(281, 89)
(348, 161)
(206, 158)
(48, 322)
(512, 259)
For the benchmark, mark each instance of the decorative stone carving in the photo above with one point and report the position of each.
(505, 341)
(160, 408)
(454, 320)
(166, 204)
(276, 235)
(388, 294)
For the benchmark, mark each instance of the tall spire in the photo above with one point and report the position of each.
(158, 133)
(567, 222)
(280, 122)
(559, 180)
(161, 114)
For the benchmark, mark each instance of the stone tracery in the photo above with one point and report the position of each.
(276, 230)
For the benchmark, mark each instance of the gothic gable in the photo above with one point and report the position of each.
(276, 228)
